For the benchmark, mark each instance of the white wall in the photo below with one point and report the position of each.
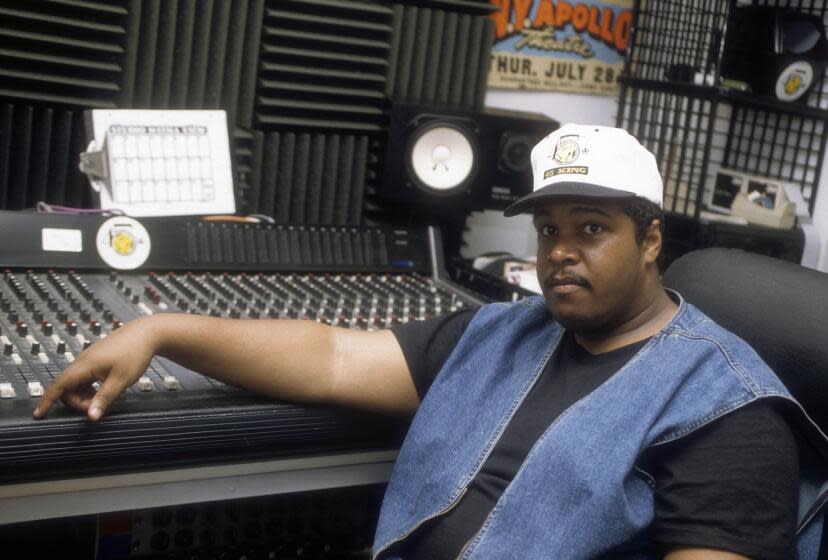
(821, 213)
(564, 107)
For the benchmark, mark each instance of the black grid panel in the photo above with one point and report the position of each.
(439, 57)
(323, 65)
(677, 37)
(313, 178)
(780, 145)
(39, 147)
(672, 34)
(67, 52)
(679, 130)
(195, 54)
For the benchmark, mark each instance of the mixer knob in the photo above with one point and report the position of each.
(235, 313)
(74, 303)
(61, 314)
(97, 304)
(13, 316)
(8, 349)
(85, 315)
(61, 347)
(86, 344)
(113, 276)
(22, 328)
(35, 348)
(116, 324)
(51, 303)
(107, 315)
(119, 284)
(127, 292)
(72, 328)
(135, 299)
(28, 304)
(254, 314)
(95, 326)
(37, 315)
(46, 328)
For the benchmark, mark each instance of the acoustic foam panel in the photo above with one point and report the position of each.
(323, 65)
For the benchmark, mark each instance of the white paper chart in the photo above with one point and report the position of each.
(165, 162)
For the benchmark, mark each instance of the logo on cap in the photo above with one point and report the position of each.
(567, 150)
(571, 170)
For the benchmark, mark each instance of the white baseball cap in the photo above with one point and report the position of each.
(591, 161)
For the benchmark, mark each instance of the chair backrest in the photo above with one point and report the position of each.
(779, 307)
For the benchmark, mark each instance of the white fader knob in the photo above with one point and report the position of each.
(35, 389)
(171, 383)
(145, 384)
(7, 391)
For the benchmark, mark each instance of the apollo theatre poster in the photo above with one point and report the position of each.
(553, 45)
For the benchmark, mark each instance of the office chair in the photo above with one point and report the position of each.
(778, 307)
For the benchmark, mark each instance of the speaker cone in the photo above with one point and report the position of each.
(442, 158)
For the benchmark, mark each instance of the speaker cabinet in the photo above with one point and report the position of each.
(454, 159)
(778, 52)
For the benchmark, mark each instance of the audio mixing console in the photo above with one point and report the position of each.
(69, 281)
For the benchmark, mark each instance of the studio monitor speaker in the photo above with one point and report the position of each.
(778, 52)
(458, 159)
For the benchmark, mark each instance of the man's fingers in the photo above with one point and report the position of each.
(53, 392)
(77, 401)
(73, 377)
(110, 390)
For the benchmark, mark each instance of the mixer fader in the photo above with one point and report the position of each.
(55, 304)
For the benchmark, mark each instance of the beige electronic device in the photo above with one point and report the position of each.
(765, 203)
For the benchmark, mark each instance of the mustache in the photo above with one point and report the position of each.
(563, 278)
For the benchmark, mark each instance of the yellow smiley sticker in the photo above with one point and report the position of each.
(123, 243)
(793, 83)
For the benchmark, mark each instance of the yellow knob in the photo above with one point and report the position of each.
(123, 243)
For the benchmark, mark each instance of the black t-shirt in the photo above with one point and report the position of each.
(732, 485)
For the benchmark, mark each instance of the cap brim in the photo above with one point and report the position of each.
(564, 190)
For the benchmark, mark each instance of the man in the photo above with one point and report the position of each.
(607, 419)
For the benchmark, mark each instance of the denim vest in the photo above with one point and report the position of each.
(580, 492)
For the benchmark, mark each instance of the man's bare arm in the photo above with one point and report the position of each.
(703, 554)
(301, 361)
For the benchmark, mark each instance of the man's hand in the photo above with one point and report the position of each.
(298, 361)
(117, 362)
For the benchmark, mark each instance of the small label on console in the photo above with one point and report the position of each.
(63, 240)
